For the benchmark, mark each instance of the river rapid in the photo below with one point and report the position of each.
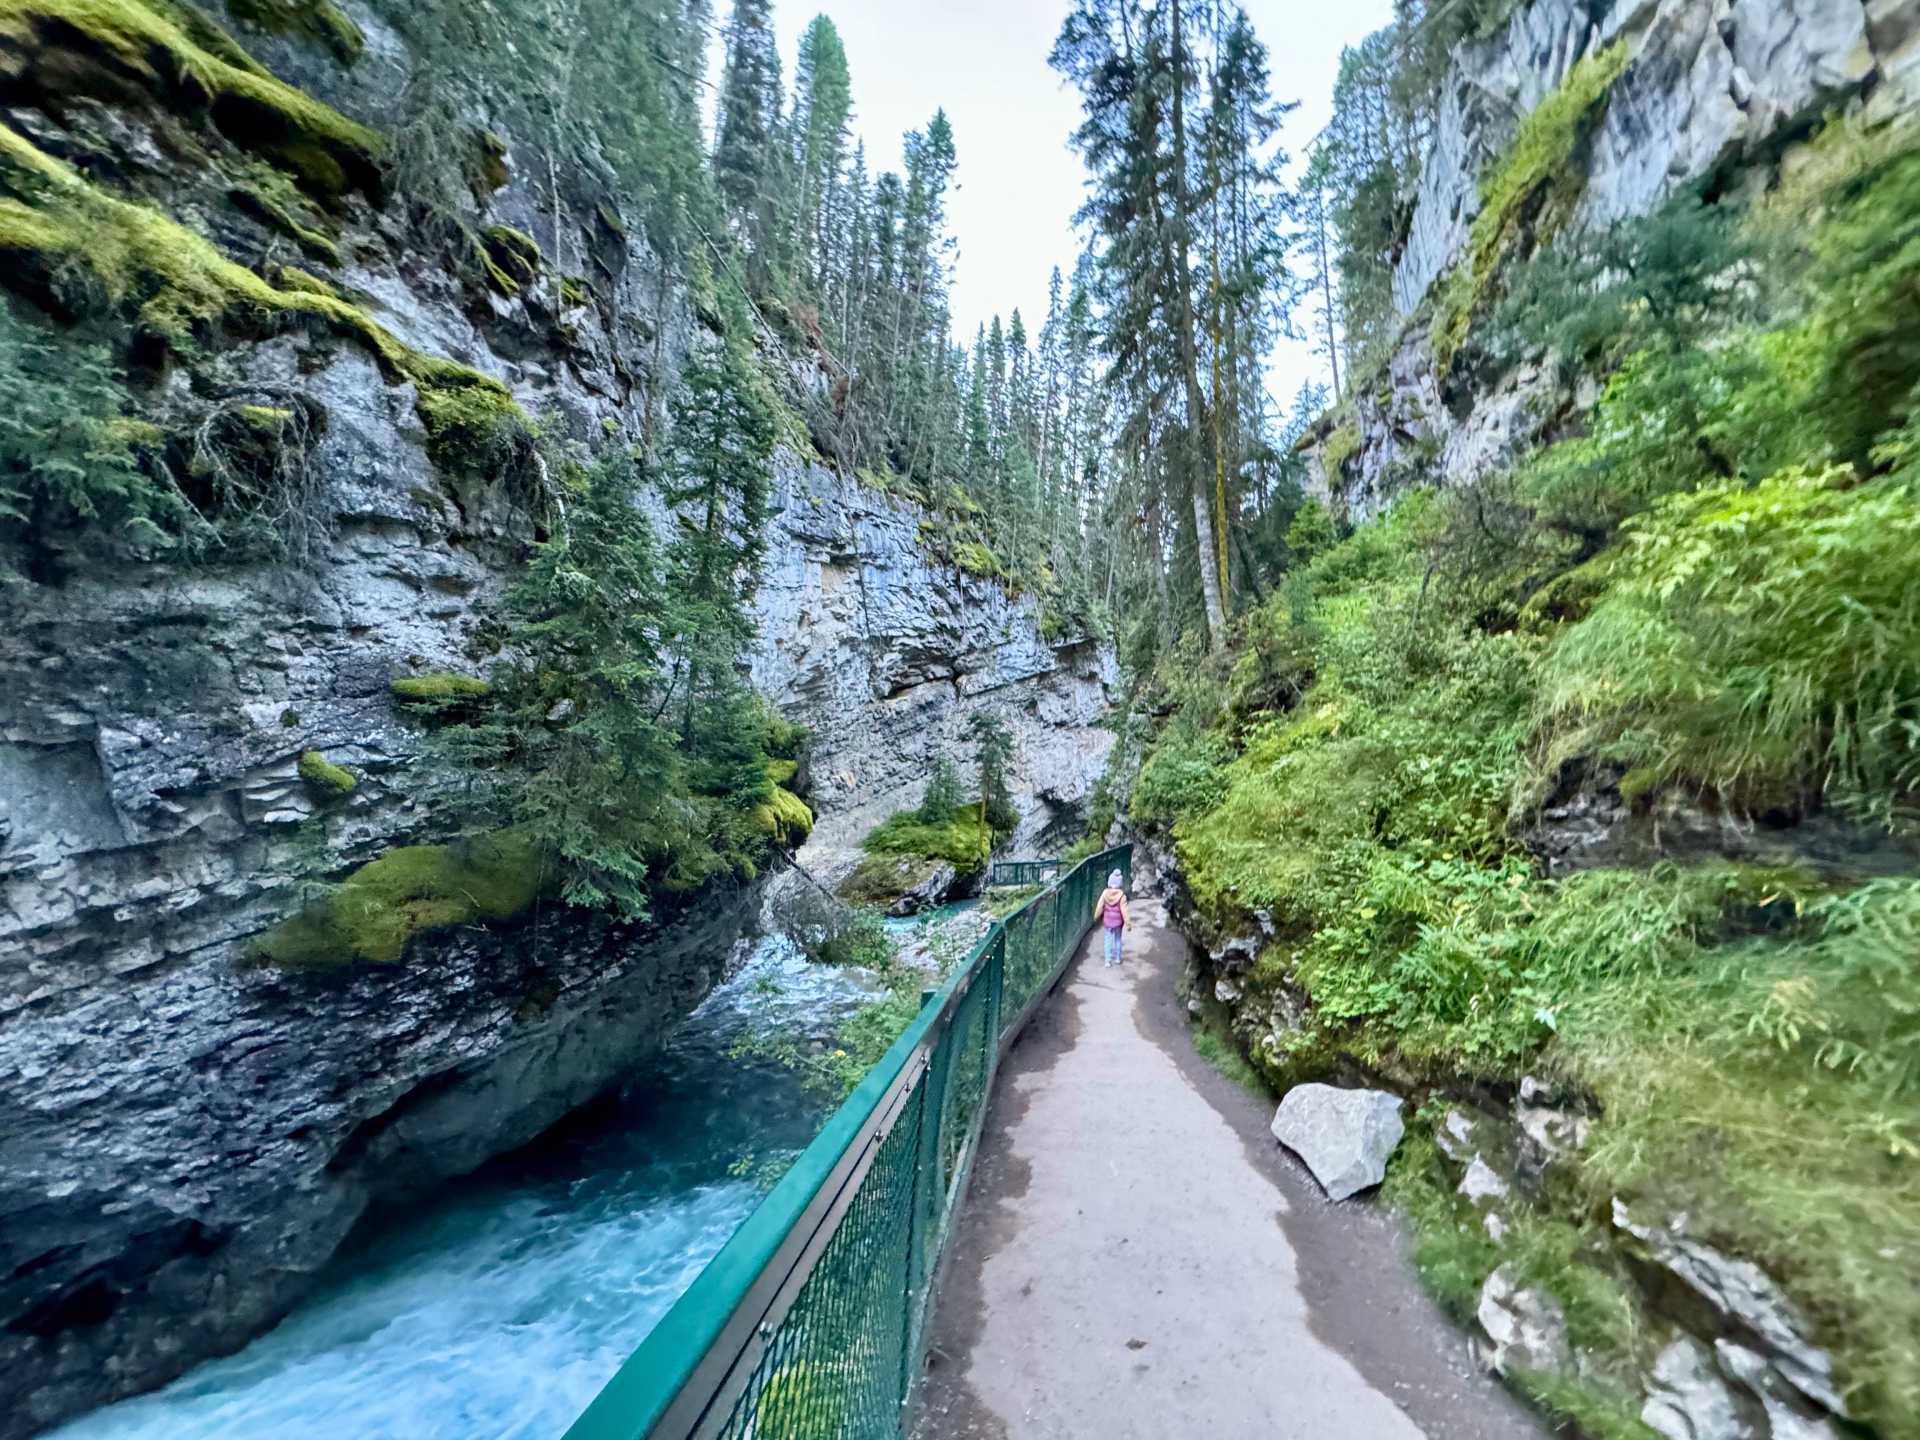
(499, 1309)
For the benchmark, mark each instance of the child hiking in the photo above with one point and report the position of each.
(1111, 908)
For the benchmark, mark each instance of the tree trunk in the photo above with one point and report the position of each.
(1209, 546)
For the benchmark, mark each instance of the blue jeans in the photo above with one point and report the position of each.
(1113, 946)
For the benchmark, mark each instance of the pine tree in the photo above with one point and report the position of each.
(822, 106)
(723, 436)
(746, 162)
(993, 755)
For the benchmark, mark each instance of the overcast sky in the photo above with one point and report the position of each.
(1019, 182)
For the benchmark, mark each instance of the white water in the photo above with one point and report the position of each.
(499, 1311)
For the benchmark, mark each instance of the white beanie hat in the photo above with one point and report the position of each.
(1116, 880)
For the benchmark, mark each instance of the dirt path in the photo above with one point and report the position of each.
(1138, 1258)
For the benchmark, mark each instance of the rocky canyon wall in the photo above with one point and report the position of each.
(1714, 92)
(188, 1134)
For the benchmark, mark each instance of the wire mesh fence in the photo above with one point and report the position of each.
(810, 1324)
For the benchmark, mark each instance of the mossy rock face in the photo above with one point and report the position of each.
(471, 429)
(407, 892)
(787, 818)
(75, 249)
(975, 558)
(439, 689)
(1532, 188)
(512, 258)
(884, 879)
(488, 164)
(109, 50)
(319, 20)
(324, 778)
(1338, 448)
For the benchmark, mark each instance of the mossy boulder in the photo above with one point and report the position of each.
(324, 778)
(382, 906)
(913, 862)
(900, 884)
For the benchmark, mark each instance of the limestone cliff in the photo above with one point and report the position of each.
(1720, 92)
(187, 1135)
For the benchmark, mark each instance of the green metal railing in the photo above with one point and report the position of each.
(1024, 872)
(809, 1324)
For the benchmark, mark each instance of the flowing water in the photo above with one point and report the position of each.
(503, 1307)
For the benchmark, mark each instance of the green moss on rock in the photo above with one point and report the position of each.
(512, 257)
(56, 228)
(328, 780)
(1537, 165)
(974, 558)
(489, 164)
(99, 48)
(786, 817)
(470, 427)
(882, 879)
(407, 892)
(1339, 448)
(439, 689)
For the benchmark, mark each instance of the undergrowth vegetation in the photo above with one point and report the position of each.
(1699, 608)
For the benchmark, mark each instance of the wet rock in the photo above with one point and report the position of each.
(1688, 1399)
(1343, 1136)
(1745, 1296)
(1226, 990)
(1524, 1327)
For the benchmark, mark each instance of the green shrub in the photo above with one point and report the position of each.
(964, 839)
(1182, 775)
(1762, 641)
(1866, 315)
(71, 454)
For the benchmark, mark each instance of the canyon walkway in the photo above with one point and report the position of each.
(1138, 1258)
